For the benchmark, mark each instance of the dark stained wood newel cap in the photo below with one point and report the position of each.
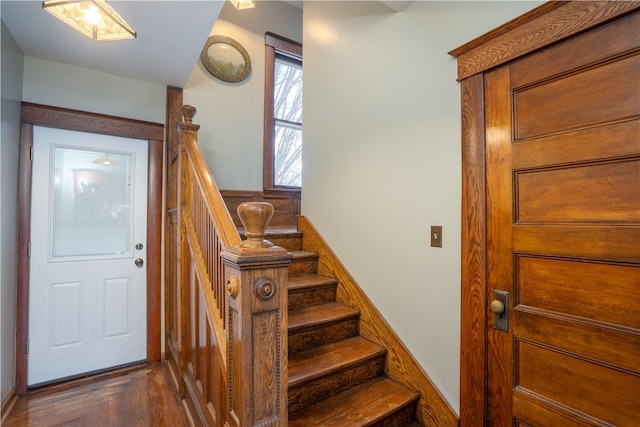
(255, 217)
(188, 112)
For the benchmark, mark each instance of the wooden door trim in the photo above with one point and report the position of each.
(473, 320)
(547, 24)
(62, 118)
(496, 48)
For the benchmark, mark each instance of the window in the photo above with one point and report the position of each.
(283, 114)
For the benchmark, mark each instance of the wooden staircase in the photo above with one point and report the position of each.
(265, 336)
(336, 377)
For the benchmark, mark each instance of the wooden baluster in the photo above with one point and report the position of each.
(256, 276)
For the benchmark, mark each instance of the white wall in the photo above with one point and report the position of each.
(381, 158)
(230, 115)
(11, 60)
(67, 86)
(61, 85)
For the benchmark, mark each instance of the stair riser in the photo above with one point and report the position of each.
(400, 418)
(289, 243)
(331, 384)
(309, 298)
(299, 341)
(303, 267)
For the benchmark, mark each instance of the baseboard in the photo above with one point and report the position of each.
(7, 404)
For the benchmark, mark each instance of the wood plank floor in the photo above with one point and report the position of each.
(143, 397)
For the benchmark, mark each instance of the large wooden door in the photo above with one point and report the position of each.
(562, 132)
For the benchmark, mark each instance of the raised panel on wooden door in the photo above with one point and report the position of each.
(592, 388)
(599, 95)
(548, 284)
(593, 193)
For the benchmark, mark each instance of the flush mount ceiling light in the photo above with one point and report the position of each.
(243, 4)
(94, 19)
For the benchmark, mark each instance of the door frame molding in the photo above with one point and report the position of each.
(62, 118)
(498, 47)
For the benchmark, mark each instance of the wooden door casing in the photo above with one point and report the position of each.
(62, 118)
(617, 255)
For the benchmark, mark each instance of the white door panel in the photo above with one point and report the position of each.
(87, 298)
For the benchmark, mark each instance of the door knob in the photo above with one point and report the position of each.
(497, 306)
(139, 262)
(500, 308)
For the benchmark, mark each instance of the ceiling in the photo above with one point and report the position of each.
(171, 35)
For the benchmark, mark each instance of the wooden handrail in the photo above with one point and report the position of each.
(206, 225)
(228, 232)
(232, 305)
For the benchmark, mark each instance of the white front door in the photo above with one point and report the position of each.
(87, 295)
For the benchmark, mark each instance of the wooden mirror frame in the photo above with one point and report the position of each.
(218, 73)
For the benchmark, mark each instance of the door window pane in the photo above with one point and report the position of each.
(91, 203)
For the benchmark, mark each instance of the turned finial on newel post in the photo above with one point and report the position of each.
(188, 111)
(186, 125)
(255, 217)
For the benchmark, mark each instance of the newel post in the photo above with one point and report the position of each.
(256, 277)
(178, 289)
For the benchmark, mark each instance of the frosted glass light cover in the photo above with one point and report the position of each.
(94, 19)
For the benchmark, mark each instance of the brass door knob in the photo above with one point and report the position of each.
(497, 306)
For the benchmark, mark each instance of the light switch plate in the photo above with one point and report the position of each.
(436, 236)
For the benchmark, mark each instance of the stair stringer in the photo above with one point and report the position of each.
(401, 366)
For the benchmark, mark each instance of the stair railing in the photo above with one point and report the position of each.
(232, 302)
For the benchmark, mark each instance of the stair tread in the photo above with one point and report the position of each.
(283, 231)
(316, 362)
(310, 317)
(310, 281)
(362, 405)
